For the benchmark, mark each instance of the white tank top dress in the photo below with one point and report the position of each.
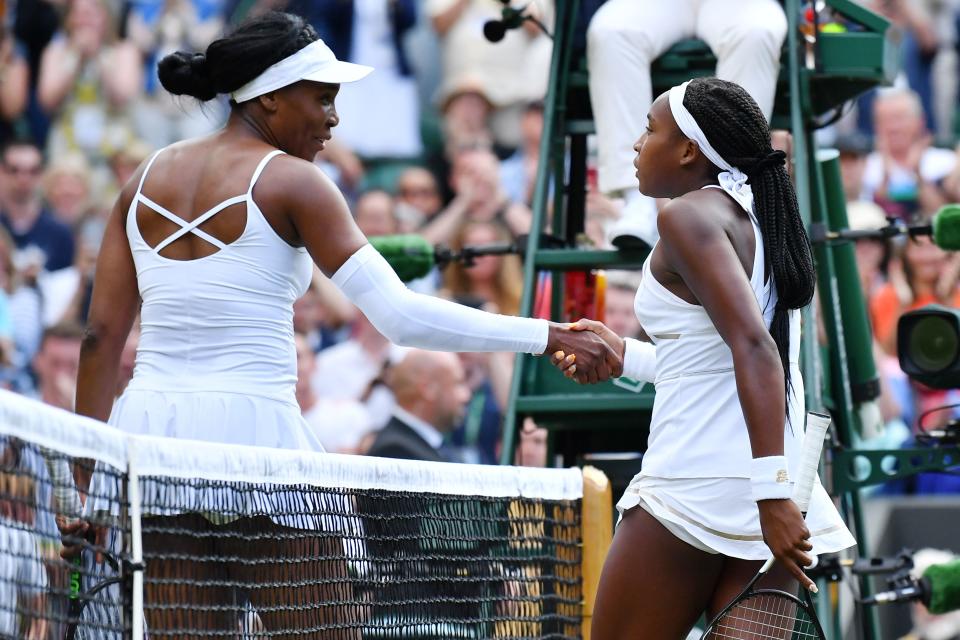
(216, 359)
(695, 474)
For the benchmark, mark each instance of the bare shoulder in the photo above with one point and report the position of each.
(690, 219)
(293, 182)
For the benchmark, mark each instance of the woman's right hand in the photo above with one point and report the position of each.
(582, 354)
(73, 532)
(787, 536)
(568, 362)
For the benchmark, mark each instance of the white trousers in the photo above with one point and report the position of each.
(625, 36)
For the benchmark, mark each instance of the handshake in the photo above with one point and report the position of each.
(586, 351)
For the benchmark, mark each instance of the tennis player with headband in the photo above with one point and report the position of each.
(719, 304)
(212, 241)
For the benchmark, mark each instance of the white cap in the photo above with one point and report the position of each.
(314, 62)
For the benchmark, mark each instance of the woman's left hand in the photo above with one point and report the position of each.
(787, 536)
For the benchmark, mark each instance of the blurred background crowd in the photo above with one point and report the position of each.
(442, 140)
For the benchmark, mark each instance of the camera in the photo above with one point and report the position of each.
(928, 346)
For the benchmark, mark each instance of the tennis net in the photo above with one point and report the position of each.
(210, 540)
(44, 456)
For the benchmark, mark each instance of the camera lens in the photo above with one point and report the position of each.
(933, 344)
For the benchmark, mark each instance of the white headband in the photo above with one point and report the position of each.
(314, 62)
(691, 129)
(731, 179)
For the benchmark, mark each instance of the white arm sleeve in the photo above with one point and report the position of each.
(639, 360)
(415, 320)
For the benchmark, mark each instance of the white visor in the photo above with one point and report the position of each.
(314, 62)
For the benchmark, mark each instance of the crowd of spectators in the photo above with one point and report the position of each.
(442, 140)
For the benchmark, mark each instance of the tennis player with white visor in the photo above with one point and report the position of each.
(719, 306)
(214, 238)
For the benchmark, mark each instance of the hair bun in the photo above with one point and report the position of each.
(187, 74)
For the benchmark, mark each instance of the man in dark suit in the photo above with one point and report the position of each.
(432, 395)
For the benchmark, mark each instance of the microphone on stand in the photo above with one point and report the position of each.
(944, 229)
(494, 30)
(938, 589)
(916, 590)
(510, 18)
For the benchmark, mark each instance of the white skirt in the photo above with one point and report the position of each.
(214, 416)
(718, 515)
(220, 417)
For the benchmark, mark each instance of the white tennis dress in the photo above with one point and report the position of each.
(695, 472)
(216, 359)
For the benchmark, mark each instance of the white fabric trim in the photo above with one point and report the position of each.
(61, 431)
(731, 179)
(415, 320)
(156, 456)
(639, 360)
(314, 62)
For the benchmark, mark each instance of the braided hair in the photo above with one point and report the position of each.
(738, 130)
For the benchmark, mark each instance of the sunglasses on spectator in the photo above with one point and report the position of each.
(32, 170)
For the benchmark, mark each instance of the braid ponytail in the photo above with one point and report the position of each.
(737, 129)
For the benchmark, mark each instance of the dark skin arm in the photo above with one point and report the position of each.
(113, 306)
(695, 247)
(320, 219)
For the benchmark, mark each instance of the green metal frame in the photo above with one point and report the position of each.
(855, 469)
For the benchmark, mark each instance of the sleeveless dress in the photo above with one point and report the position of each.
(695, 476)
(216, 359)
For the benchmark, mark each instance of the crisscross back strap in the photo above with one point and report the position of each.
(193, 226)
(190, 227)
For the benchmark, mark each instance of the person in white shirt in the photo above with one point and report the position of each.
(23, 577)
(905, 173)
(339, 423)
(718, 305)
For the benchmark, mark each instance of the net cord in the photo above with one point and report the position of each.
(157, 456)
(61, 431)
(81, 437)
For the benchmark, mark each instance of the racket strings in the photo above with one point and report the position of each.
(765, 617)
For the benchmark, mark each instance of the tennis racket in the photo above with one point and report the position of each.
(66, 503)
(771, 614)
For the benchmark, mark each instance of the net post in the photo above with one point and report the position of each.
(597, 523)
(136, 543)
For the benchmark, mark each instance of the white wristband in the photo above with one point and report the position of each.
(639, 360)
(769, 479)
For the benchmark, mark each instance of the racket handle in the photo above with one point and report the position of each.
(816, 431)
(766, 565)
